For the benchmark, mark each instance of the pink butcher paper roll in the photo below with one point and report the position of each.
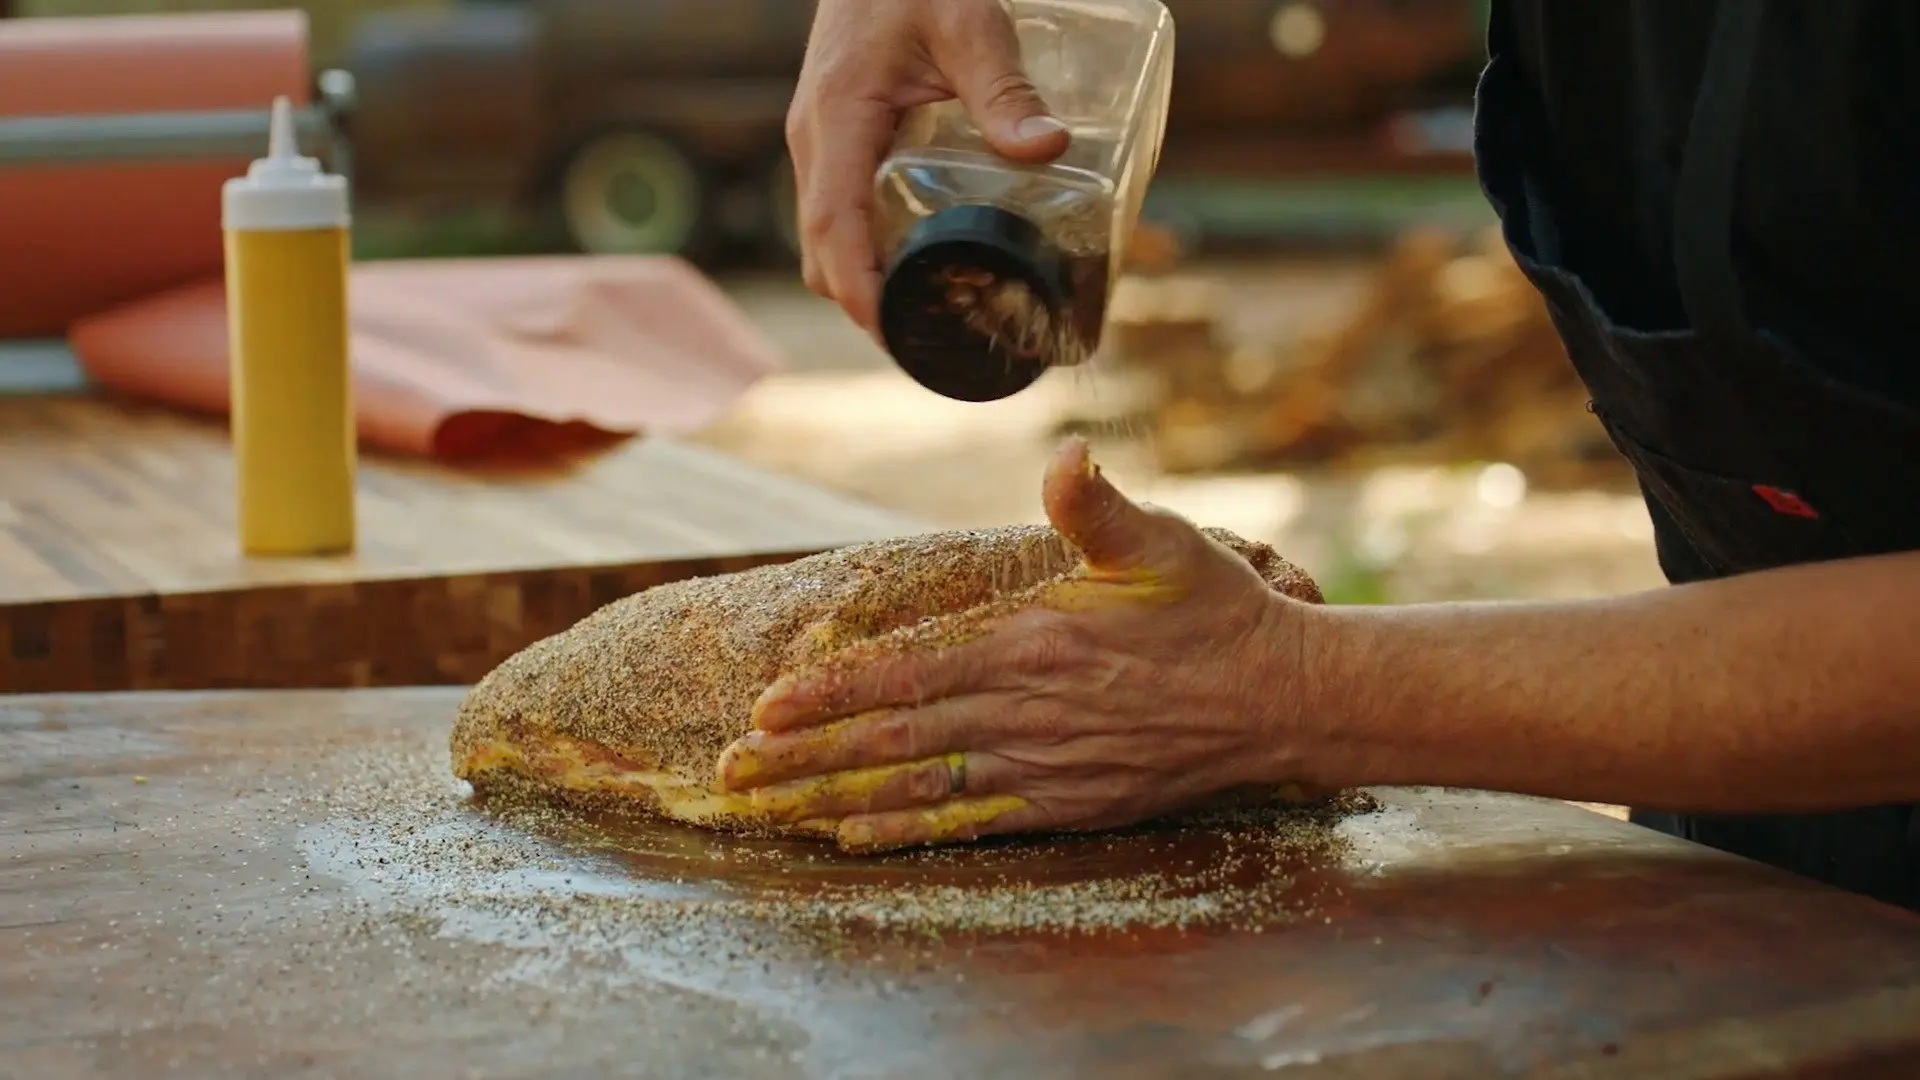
(78, 238)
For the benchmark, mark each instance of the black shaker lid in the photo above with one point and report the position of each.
(944, 270)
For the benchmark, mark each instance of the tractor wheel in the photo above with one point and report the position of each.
(632, 192)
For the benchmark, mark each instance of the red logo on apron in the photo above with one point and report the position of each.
(1786, 502)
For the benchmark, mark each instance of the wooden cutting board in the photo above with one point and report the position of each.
(119, 568)
(198, 885)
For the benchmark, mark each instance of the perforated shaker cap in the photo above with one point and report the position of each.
(945, 260)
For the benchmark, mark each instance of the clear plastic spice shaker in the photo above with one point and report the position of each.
(997, 271)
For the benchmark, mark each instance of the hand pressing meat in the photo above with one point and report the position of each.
(1099, 698)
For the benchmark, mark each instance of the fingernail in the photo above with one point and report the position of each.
(1034, 128)
(738, 764)
(778, 690)
(777, 804)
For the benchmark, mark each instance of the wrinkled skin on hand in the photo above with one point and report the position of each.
(1150, 681)
(867, 62)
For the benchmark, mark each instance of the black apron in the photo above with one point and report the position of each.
(1749, 456)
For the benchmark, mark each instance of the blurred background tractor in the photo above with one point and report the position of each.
(656, 125)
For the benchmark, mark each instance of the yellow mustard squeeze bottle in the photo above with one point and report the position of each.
(286, 224)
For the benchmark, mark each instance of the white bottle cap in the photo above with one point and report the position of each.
(284, 191)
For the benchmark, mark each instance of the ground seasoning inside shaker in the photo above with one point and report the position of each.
(980, 301)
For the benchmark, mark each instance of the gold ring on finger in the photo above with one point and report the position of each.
(956, 774)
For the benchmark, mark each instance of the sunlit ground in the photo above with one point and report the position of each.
(843, 417)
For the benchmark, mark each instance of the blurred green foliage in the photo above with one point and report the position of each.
(389, 233)
(1353, 580)
(331, 21)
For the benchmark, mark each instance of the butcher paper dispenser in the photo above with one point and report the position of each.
(458, 359)
(79, 237)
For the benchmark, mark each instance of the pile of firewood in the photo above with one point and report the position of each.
(1448, 357)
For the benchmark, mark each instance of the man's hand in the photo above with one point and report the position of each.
(868, 61)
(1157, 677)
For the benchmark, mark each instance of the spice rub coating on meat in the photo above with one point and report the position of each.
(635, 703)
